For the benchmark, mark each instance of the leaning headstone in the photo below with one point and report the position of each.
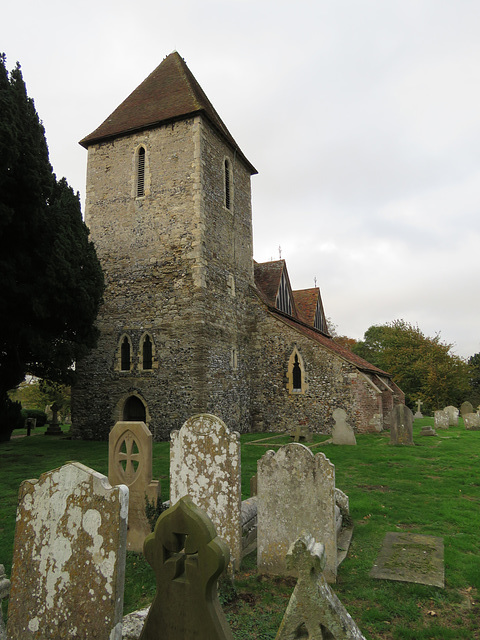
(54, 428)
(130, 463)
(187, 557)
(452, 415)
(4, 591)
(314, 611)
(418, 413)
(296, 493)
(466, 407)
(69, 557)
(471, 421)
(442, 419)
(205, 465)
(342, 432)
(401, 429)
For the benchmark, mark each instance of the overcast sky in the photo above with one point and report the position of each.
(361, 116)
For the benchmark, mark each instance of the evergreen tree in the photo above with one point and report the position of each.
(52, 282)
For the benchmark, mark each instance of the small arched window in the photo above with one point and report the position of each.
(228, 184)
(140, 172)
(147, 359)
(296, 378)
(296, 375)
(125, 357)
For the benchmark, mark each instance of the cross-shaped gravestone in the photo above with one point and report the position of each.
(54, 428)
(187, 557)
(314, 611)
(419, 404)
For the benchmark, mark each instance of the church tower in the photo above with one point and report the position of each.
(169, 210)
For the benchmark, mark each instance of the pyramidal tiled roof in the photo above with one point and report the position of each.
(170, 93)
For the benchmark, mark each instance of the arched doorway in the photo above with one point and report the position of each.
(134, 410)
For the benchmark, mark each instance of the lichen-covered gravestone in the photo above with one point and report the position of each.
(130, 463)
(205, 465)
(401, 428)
(442, 419)
(342, 432)
(471, 421)
(314, 611)
(452, 415)
(69, 557)
(296, 493)
(187, 557)
(466, 407)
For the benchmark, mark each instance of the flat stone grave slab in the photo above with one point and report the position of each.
(410, 557)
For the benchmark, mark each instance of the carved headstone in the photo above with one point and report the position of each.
(314, 611)
(466, 407)
(401, 429)
(130, 463)
(69, 557)
(442, 419)
(187, 557)
(296, 493)
(4, 591)
(342, 432)
(471, 421)
(205, 465)
(452, 415)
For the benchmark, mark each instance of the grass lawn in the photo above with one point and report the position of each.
(432, 488)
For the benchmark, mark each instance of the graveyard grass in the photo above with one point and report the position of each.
(432, 488)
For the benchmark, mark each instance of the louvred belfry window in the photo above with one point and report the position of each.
(141, 172)
(228, 185)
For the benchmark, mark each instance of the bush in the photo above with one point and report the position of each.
(40, 416)
(10, 417)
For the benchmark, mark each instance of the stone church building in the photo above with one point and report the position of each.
(190, 322)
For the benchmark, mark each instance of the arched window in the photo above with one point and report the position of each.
(228, 184)
(147, 359)
(296, 378)
(140, 190)
(125, 356)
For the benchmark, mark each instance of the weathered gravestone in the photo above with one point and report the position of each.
(314, 611)
(452, 415)
(54, 428)
(471, 421)
(69, 557)
(428, 431)
(418, 413)
(205, 465)
(130, 463)
(442, 419)
(401, 428)
(187, 557)
(466, 407)
(342, 432)
(4, 591)
(296, 493)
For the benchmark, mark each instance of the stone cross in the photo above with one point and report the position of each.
(69, 557)
(130, 462)
(187, 557)
(54, 428)
(314, 611)
(4, 591)
(419, 404)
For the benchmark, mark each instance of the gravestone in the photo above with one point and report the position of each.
(301, 433)
(130, 463)
(452, 416)
(314, 611)
(187, 557)
(466, 407)
(471, 421)
(442, 419)
(205, 465)
(428, 431)
(342, 432)
(401, 428)
(4, 592)
(418, 413)
(54, 428)
(69, 557)
(296, 493)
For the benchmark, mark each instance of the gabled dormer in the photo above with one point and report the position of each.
(310, 308)
(273, 283)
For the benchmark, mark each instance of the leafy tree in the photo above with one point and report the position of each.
(474, 362)
(423, 367)
(52, 282)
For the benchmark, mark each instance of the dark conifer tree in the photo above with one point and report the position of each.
(51, 280)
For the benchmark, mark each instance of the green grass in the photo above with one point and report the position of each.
(432, 488)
